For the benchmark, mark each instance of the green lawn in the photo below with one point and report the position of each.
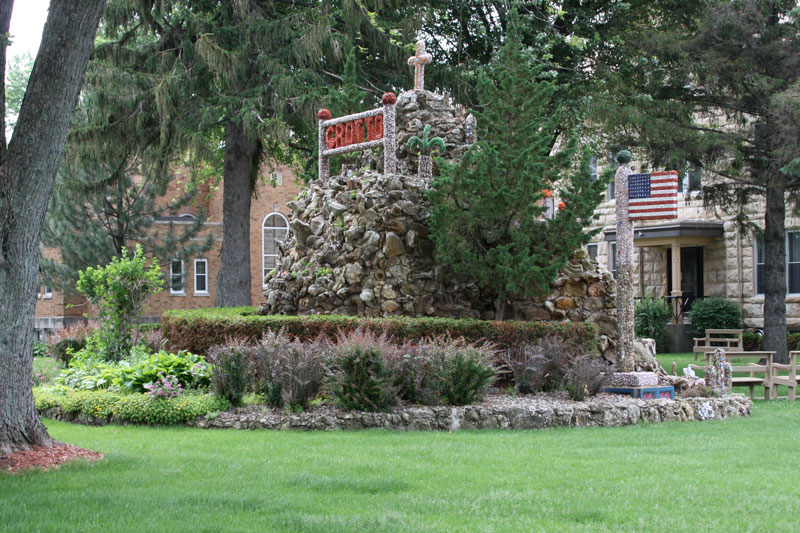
(729, 475)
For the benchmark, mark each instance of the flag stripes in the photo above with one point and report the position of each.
(653, 196)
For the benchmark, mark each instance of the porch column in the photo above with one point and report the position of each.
(676, 282)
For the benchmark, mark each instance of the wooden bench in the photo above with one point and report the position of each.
(788, 380)
(755, 373)
(729, 340)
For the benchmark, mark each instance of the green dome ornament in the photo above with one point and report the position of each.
(623, 157)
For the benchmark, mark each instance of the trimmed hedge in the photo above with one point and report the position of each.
(199, 329)
(138, 408)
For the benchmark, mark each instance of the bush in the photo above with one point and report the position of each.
(40, 349)
(714, 313)
(585, 377)
(793, 342)
(360, 380)
(462, 372)
(119, 291)
(138, 408)
(752, 341)
(540, 366)
(651, 317)
(411, 367)
(198, 330)
(289, 373)
(232, 369)
(64, 342)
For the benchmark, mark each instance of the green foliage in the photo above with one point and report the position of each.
(751, 341)
(197, 330)
(63, 343)
(232, 370)
(137, 408)
(651, 317)
(486, 212)
(17, 74)
(793, 342)
(425, 144)
(361, 381)
(714, 313)
(40, 349)
(541, 365)
(119, 290)
(462, 373)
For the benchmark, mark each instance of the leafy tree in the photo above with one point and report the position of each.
(28, 169)
(486, 209)
(715, 86)
(119, 290)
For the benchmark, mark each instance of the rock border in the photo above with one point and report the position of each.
(496, 412)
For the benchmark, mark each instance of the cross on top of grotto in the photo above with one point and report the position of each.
(419, 60)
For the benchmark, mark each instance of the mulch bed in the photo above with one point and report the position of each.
(45, 458)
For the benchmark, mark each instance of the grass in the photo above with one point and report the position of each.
(721, 475)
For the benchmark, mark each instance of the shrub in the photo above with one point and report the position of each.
(198, 330)
(540, 366)
(651, 317)
(462, 372)
(40, 349)
(751, 341)
(164, 387)
(411, 367)
(232, 368)
(64, 342)
(714, 313)
(793, 341)
(289, 373)
(585, 377)
(360, 381)
(119, 290)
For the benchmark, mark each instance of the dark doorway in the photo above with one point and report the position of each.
(691, 275)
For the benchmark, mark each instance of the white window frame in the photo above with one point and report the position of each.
(593, 168)
(788, 263)
(264, 255)
(182, 291)
(276, 179)
(205, 274)
(756, 248)
(612, 258)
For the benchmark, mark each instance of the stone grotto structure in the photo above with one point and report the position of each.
(360, 245)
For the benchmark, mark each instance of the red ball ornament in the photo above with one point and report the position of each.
(547, 193)
(562, 206)
(324, 114)
(389, 98)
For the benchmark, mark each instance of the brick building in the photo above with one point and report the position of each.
(191, 284)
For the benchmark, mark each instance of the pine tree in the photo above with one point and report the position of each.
(248, 76)
(486, 214)
(110, 190)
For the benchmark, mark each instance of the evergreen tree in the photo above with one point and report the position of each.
(486, 214)
(251, 75)
(716, 86)
(110, 190)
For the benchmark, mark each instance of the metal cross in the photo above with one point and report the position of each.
(419, 60)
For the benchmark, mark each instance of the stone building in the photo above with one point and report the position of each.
(700, 254)
(191, 284)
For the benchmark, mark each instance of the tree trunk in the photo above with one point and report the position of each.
(500, 312)
(775, 269)
(26, 181)
(242, 155)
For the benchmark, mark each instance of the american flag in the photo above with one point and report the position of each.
(653, 196)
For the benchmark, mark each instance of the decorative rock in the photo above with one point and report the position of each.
(353, 273)
(367, 296)
(575, 288)
(393, 245)
(390, 306)
(565, 302)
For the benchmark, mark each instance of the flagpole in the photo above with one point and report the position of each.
(624, 264)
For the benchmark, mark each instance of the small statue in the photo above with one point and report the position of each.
(426, 146)
(719, 376)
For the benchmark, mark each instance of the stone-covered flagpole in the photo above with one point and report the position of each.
(624, 264)
(389, 134)
(324, 164)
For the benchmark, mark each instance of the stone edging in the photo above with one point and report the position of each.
(516, 413)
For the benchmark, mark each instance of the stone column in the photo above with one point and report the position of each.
(389, 134)
(676, 293)
(624, 262)
(324, 165)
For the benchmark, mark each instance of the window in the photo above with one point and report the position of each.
(793, 262)
(176, 284)
(201, 276)
(612, 190)
(612, 258)
(691, 181)
(275, 229)
(759, 267)
(591, 250)
(44, 292)
(276, 179)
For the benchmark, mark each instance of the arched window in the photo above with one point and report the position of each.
(274, 230)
